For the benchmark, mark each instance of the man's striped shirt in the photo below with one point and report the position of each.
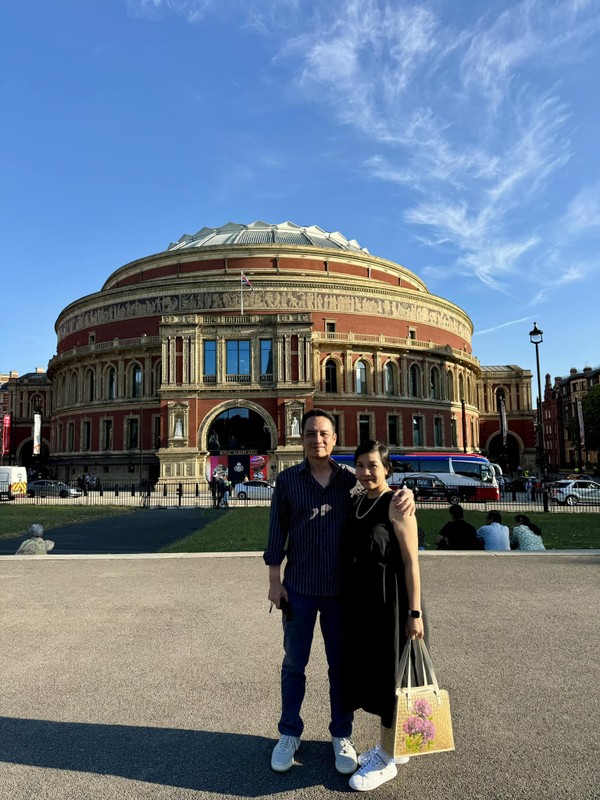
(306, 525)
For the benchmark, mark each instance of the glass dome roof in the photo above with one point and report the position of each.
(266, 233)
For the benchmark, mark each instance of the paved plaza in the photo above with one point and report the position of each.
(156, 677)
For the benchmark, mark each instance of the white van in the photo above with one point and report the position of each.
(13, 482)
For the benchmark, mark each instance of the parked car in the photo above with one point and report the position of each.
(254, 490)
(46, 488)
(430, 487)
(571, 493)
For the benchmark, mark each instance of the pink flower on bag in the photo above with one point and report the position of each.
(422, 708)
(419, 729)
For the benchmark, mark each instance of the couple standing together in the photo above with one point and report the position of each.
(353, 562)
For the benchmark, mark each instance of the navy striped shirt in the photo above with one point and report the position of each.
(310, 519)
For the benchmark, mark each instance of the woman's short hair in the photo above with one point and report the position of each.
(375, 446)
(36, 530)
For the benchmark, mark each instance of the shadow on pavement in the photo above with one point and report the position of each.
(213, 762)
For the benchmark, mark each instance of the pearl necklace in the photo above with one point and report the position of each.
(359, 504)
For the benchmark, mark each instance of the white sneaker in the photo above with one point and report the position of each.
(283, 753)
(372, 774)
(364, 757)
(345, 755)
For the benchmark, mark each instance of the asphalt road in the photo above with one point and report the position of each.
(156, 677)
(141, 531)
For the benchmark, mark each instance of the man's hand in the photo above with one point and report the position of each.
(276, 592)
(403, 501)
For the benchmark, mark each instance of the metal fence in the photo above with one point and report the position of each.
(194, 494)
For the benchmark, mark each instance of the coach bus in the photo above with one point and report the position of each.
(473, 473)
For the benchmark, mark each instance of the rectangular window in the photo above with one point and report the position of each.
(70, 435)
(329, 327)
(418, 431)
(238, 357)
(107, 434)
(266, 357)
(364, 428)
(412, 333)
(392, 431)
(338, 427)
(86, 436)
(454, 432)
(132, 433)
(156, 433)
(437, 432)
(60, 438)
(210, 357)
(91, 338)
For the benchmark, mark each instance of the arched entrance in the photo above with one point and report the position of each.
(509, 456)
(239, 439)
(37, 465)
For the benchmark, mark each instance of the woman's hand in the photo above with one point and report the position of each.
(414, 628)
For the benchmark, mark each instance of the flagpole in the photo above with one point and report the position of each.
(241, 294)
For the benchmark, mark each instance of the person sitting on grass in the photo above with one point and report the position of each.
(458, 534)
(526, 535)
(493, 534)
(35, 545)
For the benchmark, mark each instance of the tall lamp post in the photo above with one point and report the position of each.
(464, 424)
(536, 338)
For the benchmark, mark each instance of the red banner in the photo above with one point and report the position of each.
(6, 434)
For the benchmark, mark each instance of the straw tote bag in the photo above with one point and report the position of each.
(422, 722)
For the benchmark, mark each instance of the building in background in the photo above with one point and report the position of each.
(564, 438)
(506, 418)
(204, 357)
(26, 402)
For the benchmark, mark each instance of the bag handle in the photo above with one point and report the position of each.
(423, 667)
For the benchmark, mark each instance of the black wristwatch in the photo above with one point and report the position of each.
(416, 614)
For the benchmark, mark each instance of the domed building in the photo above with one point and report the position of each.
(209, 352)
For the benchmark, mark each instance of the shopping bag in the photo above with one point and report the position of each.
(422, 723)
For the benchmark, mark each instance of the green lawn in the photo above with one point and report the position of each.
(15, 520)
(246, 529)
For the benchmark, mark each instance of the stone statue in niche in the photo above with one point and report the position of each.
(295, 425)
(178, 428)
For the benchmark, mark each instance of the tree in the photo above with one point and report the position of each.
(590, 405)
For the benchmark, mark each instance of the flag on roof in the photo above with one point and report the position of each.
(245, 281)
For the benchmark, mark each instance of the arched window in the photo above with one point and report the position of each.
(331, 381)
(450, 386)
(63, 391)
(434, 383)
(156, 377)
(388, 379)
(111, 384)
(90, 386)
(136, 381)
(415, 381)
(461, 387)
(74, 388)
(361, 377)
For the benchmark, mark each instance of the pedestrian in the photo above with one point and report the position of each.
(458, 534)
(526, 535)
(309, 510)
(214, 490)
(382, 599)
(493, 534)
(35, 545)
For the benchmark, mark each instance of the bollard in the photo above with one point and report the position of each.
(101, 491)
(197, 490)
(179, 492)
(514, 495)
(116, 490)
(133, 490)
(546, 500)
(164, 489)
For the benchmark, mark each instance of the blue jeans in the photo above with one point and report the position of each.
(297, 641)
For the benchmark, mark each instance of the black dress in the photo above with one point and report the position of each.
(376, 604)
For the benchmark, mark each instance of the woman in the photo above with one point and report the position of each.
(383, 598)
(526, 535)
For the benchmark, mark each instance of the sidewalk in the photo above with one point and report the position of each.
(156, 677)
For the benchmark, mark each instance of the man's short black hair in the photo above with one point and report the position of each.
(317, 412)
(457, 511)
(494, 516)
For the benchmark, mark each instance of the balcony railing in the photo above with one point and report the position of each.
(393, 341)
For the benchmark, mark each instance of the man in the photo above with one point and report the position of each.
(309, 509)
(494, 535)
(458, 534)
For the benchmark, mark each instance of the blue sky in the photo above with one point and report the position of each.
(458, 139)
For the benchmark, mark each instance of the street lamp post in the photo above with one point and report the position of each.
(536, 338)
(464, 424)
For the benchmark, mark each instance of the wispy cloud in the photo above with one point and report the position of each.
(499, 327)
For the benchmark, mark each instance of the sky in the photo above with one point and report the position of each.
(460, 140)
